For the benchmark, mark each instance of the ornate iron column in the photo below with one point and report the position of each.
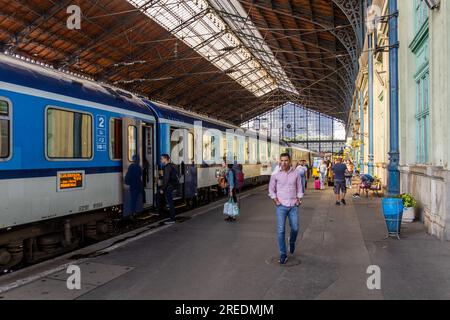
(394, 152)
(361, 114)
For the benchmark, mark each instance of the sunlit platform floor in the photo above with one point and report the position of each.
(205, 257)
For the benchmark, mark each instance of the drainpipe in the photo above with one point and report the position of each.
(394, 152)
(370, 115)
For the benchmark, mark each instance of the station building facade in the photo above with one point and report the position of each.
(424, 100)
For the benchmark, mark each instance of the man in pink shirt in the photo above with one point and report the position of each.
(286, 191)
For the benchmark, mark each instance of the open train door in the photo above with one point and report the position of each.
(132, 167)
(178, 149)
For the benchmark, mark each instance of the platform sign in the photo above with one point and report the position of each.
(70, 180)
(100, 131)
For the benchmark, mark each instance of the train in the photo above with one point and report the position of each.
(67, 142)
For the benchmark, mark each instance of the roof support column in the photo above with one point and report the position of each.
(394, 152)
(361, 115)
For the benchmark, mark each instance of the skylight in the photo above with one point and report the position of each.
(226, 42)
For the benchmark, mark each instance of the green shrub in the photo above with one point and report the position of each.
(408, 201)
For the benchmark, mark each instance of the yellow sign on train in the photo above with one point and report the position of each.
(70, 180)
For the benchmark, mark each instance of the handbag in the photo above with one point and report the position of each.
(231, 208)
(223, 182)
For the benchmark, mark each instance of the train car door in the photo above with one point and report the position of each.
(190, 179)
(179, 151)
(148, 164)
(132, 167)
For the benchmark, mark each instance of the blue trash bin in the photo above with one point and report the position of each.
(393, 213)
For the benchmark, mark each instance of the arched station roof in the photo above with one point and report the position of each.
(231, 60)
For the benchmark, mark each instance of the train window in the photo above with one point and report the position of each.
(240, 150)
(206, 147)
(177, 145)
(213, 147)
(246, 150)
(115, 139)
(132, 142)
(253, 151)
(225, 147)
(262, 152)
(4, 129)
(69, 134)
(191, 146)
(4, 108)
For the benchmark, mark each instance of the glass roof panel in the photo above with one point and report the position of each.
(232, 45)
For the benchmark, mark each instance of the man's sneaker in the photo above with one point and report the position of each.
(356, 196)
(344, 202)
(292, 248)
(283, 259)
(169, 222)
(338, 203)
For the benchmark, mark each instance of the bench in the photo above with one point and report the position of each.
(376, 188)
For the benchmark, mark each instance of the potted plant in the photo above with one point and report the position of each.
(409, 206)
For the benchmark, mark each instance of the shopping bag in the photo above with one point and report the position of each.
(231, 208)
(235, 209)
(227, 207)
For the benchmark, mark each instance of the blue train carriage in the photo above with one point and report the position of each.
(199, 155)
(65, 147)
(198, 171)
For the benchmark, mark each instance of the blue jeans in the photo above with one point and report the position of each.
(348, 182)
(283, 213)
(303, 178)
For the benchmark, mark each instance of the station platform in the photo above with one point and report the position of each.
(204, 257)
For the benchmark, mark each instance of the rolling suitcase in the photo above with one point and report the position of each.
(317, 184)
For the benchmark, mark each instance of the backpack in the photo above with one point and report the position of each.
(240, 179)
(174, 180)
(222, 182)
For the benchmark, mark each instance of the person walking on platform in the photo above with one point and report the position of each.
(349, 174)
(303, 172)
(340, 188)
(133, 179)
(169, 184)
(323, 170)
(232, 187)
(286, 191)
